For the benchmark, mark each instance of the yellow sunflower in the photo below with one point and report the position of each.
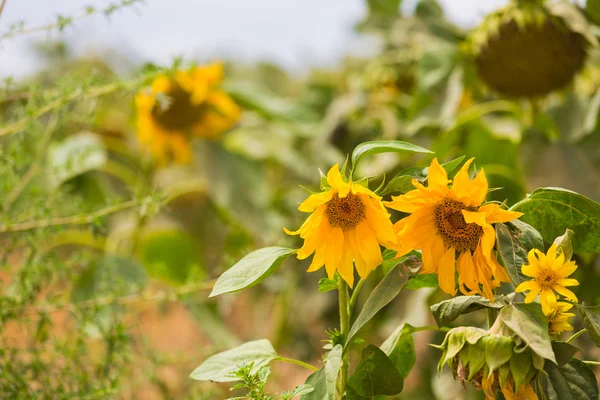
(348, 223)
(558, 320)
(549, 273)
(453, 230)
(187, 104)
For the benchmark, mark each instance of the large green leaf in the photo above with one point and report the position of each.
(591, 320)
(251, 270)
(515, 239)
(375, 374)
(400, 348)
(530, 324)
(383, 146)
(572, 381)
(447, 311)
(74, 156)
(422, 281)
(218, 367)
(385, 292)
(564, 352)
(324, 380)
(554, 210)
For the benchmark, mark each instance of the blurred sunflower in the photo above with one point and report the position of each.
(348, 223)
(187, 104)
(558, 320)
(549, 273)
(453, 230)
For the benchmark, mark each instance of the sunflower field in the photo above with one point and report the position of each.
(422, 222)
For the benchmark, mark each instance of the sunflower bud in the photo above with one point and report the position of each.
(491, 360)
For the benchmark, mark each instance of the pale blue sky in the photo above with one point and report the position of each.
(294, 33)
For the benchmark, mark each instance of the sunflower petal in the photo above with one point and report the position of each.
(495, 214)
(446, 272)
(437, 176)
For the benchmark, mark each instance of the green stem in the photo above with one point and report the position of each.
(575, 336)
(354, 296)
(430, 328)
(592, 363)
(297, 362)
(344, 329)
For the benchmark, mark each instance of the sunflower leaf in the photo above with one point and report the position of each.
(218, 367)
(375, 374)
(251, 270)
(572, 381)
(564, 245)
(383, 146)
(400, 348)
(385, 292)
(554, 210)
(590, 317)
(448, 310)
(324, 380)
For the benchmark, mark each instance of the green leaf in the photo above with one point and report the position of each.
(554, 210)
(171, 256)
(383, 146)
(563, 352)
(317, 380)
(573, 381)
(217, 368)
(423, 281)
(590, 317)
(564, 244)
(530, 324)
(332, 369)
(514, 240)
(592, 9)
(301, 390)
(375, 374)
(251, 270)
(74, 156)
(448, 310)
(327, 285)
(400, 348)
(385, 292)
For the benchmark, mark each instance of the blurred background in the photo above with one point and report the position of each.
(110, 254)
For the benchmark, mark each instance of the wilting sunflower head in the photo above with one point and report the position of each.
(186, 104)
(549, 274)
(347, 225)
(453, 229)
(490, 361)
(558, 319)
(524, 50)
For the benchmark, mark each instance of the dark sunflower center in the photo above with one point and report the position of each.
(175, 110)
(451, 225)
(547, 279)
(345, 212)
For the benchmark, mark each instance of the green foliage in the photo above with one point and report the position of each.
(255, 382)
(447, 311)
(383, 146)
(400, 348)
(375, 374)
(591, 320)
(529, 323)
(573, 381)
(514, 241)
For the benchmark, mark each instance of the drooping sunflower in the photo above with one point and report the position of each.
(348, 224)
(187, 104)
(558, 319)
(550, 278)
(530, 48)
(453, 230)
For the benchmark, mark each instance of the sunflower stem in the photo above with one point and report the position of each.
(344, 329)
(592, 363)
(575, 336)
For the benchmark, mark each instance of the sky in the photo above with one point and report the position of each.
(297, 34)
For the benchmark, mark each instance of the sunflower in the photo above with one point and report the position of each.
(558, 319)
(187, 104)
(549, 273)
(348, 223)
(453, 230)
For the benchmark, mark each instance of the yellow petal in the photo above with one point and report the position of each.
(379, 219)
(334, 178)
(566, 293)
(474, 217)
(345, 268)
(568, 282)
(479, 188)
(461, 183)
(466, 271)
(532, 294)
(551, 254)
(335, 247)
(528, 285)
(437, 176)
(446, 272)
(548, 301)
(566, 269)
(315, 200)
(359, 262)
(368, 246)
(318, 260)
(495, 214)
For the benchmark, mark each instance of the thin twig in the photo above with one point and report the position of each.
(81, 219)
(145, 296)
(2, 6)
(33, 169)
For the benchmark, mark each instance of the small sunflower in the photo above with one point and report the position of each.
(187, 104)
(348, 223)
(558, 320)
(549, 273)
(453, 230)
